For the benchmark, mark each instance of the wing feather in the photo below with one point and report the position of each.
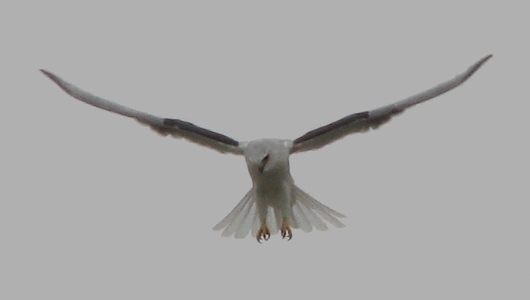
(174, 127)
(364, 121)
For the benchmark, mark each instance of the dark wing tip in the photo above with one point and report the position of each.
(51, 76)
(474, 68)
(485, 59)
(479, 64)
(48, 74)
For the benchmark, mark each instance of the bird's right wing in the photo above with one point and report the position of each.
(164, 126)
(364, 121)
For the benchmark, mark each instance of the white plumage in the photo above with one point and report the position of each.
(274, 203)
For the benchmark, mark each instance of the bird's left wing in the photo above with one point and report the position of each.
(364, 121)
(174, 127)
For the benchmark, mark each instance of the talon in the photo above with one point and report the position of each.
(263, 233)
(286, 230)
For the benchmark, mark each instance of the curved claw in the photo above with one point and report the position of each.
(263, 233)
(286, 231)
(287, 234)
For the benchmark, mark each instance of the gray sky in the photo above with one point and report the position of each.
(95, 206)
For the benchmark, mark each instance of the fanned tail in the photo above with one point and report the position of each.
(308, 213)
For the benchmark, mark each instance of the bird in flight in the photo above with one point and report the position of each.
(274, 203)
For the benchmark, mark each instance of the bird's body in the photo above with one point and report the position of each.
(274, 203)
(268, 166)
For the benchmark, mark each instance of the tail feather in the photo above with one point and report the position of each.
(238, 220)
(321, 210)
(247, 223)
(312, 217)
(233, 214)
(236, 217)
(324, 208)
(300, 221)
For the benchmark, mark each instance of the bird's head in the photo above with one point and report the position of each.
(265, 156)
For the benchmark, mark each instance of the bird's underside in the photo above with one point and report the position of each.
(287, 206)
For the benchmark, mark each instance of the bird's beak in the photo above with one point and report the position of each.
(263, 162)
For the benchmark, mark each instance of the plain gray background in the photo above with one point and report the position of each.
(95, 206)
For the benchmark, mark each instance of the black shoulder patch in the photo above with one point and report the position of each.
(192, 128)
(332, 126)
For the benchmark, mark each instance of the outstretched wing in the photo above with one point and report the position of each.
(174, 127)
(364, 121)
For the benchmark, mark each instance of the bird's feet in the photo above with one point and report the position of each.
(263, 232)
(286, 230)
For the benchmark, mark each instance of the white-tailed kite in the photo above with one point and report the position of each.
(274, 203)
